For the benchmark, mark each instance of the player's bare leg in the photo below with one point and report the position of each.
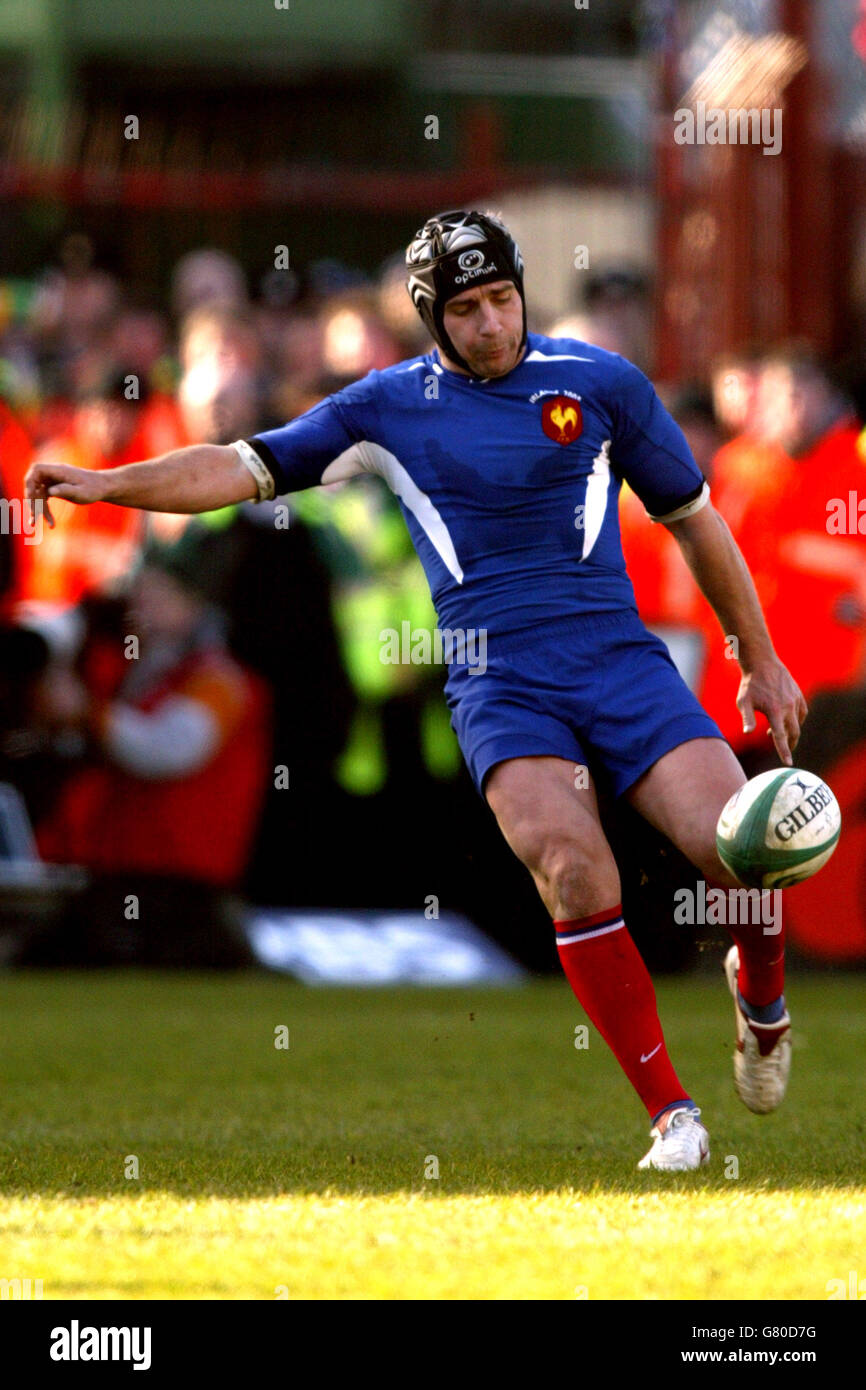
(682, 795)
(553, 827)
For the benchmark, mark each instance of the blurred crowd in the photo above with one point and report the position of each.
(165, 680)
(777, 433)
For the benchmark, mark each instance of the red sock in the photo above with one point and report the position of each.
(762, 961)
(612, 984)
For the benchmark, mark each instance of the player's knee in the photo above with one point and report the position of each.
(715, 872)
(577, 875)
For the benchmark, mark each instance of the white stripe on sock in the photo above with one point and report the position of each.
(587, 935)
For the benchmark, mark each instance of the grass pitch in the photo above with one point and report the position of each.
(309, 1171)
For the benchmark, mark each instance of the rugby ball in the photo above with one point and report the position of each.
(778, 829)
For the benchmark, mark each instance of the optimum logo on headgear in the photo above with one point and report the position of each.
(473, 263)
(455, 251)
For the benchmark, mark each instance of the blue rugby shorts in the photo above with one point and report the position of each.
(600, 691)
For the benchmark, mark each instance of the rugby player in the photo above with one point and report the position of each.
(506, 451)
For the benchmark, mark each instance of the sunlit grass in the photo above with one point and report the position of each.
(310, 1172)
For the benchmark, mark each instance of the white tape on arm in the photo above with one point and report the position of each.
(262, 475)
(690, 507)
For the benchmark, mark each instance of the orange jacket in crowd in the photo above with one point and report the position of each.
(199, 825)
(16, 451)
(807, 574)
(89, 546)
(747, 473)
(777, 509)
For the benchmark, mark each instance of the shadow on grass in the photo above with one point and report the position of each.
(182, 1075)
(76, 1175)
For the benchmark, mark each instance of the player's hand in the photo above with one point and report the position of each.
(770, 688)
(46, 480)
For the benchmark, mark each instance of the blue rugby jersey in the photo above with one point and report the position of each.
(509, 485)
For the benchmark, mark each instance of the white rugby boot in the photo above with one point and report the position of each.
(684, 1143)
(762, 1061)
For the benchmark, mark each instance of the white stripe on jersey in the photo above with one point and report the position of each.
(597, 486)
(348, 464)
(536, 356)
(376, 459)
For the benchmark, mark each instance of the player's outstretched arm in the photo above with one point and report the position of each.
(197, 479)
(717, 563)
